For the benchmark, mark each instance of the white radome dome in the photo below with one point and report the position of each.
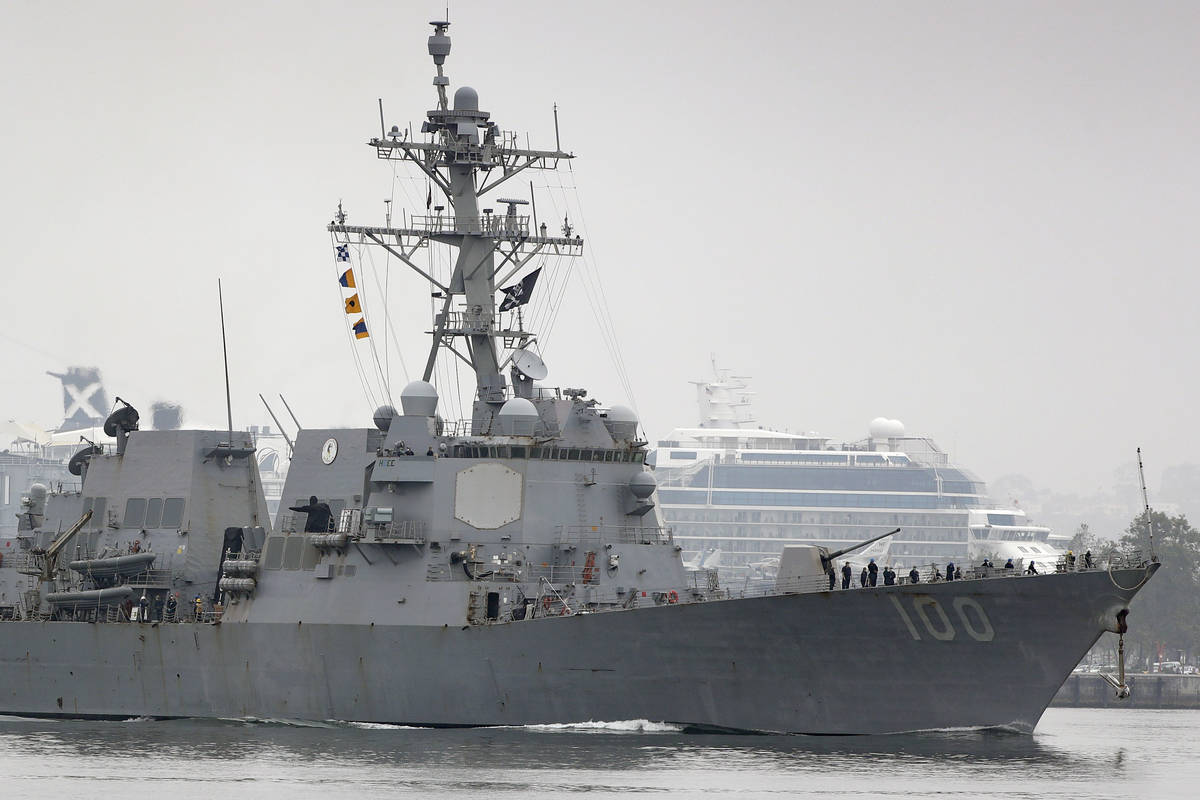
(518, 417)
(884, 428)
(419, 399)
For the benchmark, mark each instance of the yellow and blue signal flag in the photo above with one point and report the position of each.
(352, 304)
(360, 329)
(347, 279)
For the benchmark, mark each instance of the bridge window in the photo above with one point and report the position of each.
(172, 515)
(135, 512)
(154, 507)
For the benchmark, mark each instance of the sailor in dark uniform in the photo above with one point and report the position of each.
(319, 515)
(847, 575)
(914, 576)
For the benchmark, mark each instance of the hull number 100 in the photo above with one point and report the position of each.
(929, 617)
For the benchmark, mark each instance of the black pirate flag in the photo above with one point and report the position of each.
(519, 293)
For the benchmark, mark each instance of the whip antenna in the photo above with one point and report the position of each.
(225, 354)
(1146, 503)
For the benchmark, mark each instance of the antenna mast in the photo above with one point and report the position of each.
(1146, 503)
(466, 157)
(225, 355)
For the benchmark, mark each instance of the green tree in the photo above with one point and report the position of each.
(1084, 541)
(1166, 612)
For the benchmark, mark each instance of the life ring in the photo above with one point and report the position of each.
(672, 596)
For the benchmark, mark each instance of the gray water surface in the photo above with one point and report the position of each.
(1075, 753)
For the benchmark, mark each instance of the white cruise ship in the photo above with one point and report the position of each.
(731, 486)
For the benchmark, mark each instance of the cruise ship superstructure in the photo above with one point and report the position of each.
(729, 485)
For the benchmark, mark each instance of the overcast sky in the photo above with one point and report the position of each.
(978, 218)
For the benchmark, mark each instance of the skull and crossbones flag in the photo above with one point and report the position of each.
(519, 293)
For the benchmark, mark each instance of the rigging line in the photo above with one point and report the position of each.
(622, 367)
(558, 301)
(551, 267)
(389, 328)
(603, 323)
(598, 296)
(558, 295)
(558, 280)
(353, 352)
(378, 371)
(361, 368)
(540, 315)
(385, 389)
(367, 379)
(357, 363)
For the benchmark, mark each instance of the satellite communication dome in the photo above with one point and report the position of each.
(622, 414)
(37, 491)
(466, 99)
(383, 417)
(884, 428)
(622, 423)
(419, 399)
(642, 485)
(518, 417)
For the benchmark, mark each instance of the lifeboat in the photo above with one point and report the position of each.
(93, 598)
(115, 567)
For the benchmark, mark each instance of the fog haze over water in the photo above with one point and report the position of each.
(976, 218)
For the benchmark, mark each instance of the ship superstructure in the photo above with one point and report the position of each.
(748, 492)
(510, 568)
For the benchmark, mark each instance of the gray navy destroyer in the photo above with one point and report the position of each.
(507, 569)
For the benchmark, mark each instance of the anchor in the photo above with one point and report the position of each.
(1118, 683)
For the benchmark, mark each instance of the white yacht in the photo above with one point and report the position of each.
(732, 486)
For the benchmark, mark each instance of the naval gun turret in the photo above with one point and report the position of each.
(803, 565)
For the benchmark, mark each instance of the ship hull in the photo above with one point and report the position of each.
(980, 653)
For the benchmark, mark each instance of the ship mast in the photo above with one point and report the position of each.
(465, 157)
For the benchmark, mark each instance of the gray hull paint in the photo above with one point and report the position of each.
(826, 663)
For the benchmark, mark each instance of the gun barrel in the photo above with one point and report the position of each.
(851, 549)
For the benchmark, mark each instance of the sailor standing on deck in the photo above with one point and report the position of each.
(863, 578)
(914, 576)
(319, 515)
(847, 575)
(950, 571)
(873, 572)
